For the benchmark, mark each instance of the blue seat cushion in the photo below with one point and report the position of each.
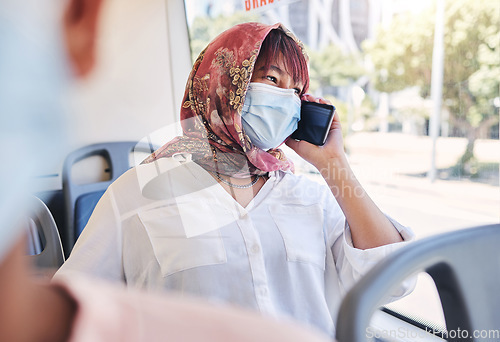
(84, 207)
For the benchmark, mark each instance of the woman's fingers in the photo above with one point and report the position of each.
(312, 98)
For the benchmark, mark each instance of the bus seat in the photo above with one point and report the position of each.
(80, 199)
(465, 267)
(44, 243)
(34, 243)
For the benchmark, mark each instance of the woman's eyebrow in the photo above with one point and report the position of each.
(274, 68)
(277, 69)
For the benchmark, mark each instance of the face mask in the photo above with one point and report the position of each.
(34, 74)
(270, 114)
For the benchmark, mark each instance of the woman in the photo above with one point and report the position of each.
(218, 212)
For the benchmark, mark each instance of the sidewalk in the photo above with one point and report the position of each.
(391, 167)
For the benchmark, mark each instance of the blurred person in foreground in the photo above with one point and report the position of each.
(36, 58)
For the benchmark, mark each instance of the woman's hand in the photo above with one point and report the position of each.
(373, 228)
(332, 150)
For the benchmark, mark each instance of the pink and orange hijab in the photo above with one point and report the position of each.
(211, 110)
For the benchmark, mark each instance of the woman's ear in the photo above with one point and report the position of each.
(80, 22)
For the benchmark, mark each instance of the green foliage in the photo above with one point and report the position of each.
(402, 54)
(402, 57)
(330, 67)
(204, 29)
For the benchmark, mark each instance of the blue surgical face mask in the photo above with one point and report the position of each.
(270, 114)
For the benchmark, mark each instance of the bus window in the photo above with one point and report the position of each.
(420, 127)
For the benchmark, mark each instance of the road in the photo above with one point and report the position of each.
(391, 167)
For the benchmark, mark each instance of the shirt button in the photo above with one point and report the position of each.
(255, 249)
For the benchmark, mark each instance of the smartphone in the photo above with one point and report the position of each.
(315, 121)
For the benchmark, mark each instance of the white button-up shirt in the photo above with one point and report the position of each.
(169, 225)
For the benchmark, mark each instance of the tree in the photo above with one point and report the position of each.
(331, 67)
(204, 29)
(402, 57)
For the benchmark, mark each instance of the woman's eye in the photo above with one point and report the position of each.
(272, 79)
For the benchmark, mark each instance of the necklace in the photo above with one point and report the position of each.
(245, 186)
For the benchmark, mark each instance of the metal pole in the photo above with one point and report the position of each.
(436, 84)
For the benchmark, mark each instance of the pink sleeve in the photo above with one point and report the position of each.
(111, 313)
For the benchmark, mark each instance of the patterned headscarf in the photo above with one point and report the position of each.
(212, 105)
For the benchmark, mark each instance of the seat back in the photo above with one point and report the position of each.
(80, 199)
(44, 244)
(465, 267)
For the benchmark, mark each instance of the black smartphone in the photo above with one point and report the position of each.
(315, 121)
